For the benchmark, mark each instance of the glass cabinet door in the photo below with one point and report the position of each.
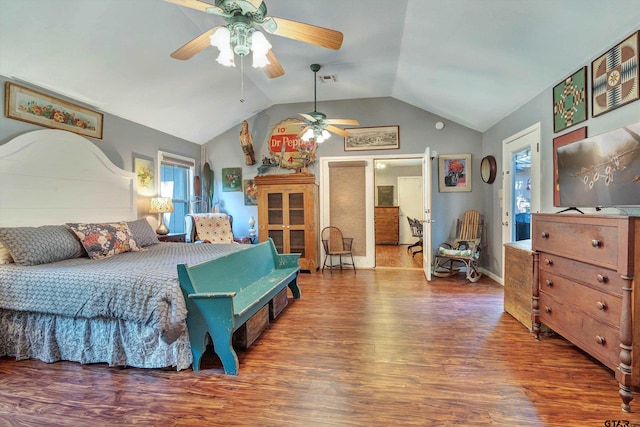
(296, 223)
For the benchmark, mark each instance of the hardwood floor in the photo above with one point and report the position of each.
(376, 348)
(397, 256)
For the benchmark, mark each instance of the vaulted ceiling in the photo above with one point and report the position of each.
(469, 61)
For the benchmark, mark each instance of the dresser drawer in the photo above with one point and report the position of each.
(595, 243)
(598, 277)
(582, 330)
(600, 305)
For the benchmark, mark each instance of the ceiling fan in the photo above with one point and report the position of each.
(241, 34)
(317, 125)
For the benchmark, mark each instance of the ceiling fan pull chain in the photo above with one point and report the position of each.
(241, 78)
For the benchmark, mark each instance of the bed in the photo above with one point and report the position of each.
(124, 308)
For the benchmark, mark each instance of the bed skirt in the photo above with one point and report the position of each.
(52, 338)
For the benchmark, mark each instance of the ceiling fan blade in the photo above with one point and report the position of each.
(308, 117)
(304, 129)
(331, 39)
(196, 4)
(337, 130)
(194, 46)
(342, 122)
(274, 69)
(256, 3)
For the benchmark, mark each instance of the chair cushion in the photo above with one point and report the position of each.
(213, 229)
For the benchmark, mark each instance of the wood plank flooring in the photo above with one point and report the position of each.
(377, 348)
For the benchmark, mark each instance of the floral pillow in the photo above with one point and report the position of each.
(213, 229)
(105, 240)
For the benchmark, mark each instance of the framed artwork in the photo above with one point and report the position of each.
(145, 175)
(372, 138)
(614, 76)
(454, 173)
(25, 104)
(570, 101)
(231, 179)
(558, 142)
(250, 190)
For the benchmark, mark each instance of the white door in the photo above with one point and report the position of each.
(410, 203)
(427, 221)
(520, 183)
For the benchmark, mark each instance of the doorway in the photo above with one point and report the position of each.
(404, 177)
(521, 184)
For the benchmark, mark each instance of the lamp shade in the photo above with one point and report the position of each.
(161, 205)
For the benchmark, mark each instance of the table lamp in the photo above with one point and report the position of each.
(161, 205)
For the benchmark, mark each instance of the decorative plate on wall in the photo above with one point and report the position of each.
(488, 169)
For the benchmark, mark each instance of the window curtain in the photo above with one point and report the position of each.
(347, 209)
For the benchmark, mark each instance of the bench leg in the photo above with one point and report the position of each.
(295, 289)
(224, 349)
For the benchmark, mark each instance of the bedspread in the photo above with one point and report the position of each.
(134, 286)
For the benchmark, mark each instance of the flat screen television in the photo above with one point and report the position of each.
(600, 171)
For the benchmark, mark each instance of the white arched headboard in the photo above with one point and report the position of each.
(54, 176)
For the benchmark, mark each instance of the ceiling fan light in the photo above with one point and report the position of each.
(260, 47)
(325, 134)
(308, 135)
(222, 40)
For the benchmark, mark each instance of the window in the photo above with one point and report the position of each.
(176, 176)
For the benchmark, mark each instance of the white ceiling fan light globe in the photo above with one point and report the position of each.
(222, 40)
(307, 135)
(260, 47)
(325, 134)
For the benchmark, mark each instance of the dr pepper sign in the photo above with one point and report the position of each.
(286, 147)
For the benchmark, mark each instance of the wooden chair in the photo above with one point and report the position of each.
(464, 250)
(336, 245)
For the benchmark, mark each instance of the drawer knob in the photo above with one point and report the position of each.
(549, 283)
(548, 261)
(547, 309)
(544, 235)
(602, 279)
(595, 243)
(600, 340)
(602, 305)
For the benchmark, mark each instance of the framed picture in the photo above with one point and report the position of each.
(250, 190)
(25, 104)
(372, 138)
(614, 76)
(145, 175)
(231, 179)
(570, 101)
(454, 173)
(558, 142)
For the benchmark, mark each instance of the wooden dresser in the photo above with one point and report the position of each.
(387, 225)
(585, 274)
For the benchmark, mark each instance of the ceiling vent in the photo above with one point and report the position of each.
(328, 78)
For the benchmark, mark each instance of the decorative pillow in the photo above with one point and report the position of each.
(143, 233)
(5, 256)
(213, 229)
(40, 245)
(105, 240)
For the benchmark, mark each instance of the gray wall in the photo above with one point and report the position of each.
(540, 109)
(121, 139)
(417, 131)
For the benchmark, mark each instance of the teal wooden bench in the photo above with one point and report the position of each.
(223, 293)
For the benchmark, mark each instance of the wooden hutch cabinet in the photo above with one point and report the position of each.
(288, 213)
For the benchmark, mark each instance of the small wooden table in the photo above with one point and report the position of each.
(173, 237)
(518, 280)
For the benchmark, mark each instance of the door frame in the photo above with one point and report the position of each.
(510, 145)
(368, 260)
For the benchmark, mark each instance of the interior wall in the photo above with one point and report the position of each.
(121, 140)
(417, 131)
(540, 109)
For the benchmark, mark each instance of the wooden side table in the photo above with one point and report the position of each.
(173, 237)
